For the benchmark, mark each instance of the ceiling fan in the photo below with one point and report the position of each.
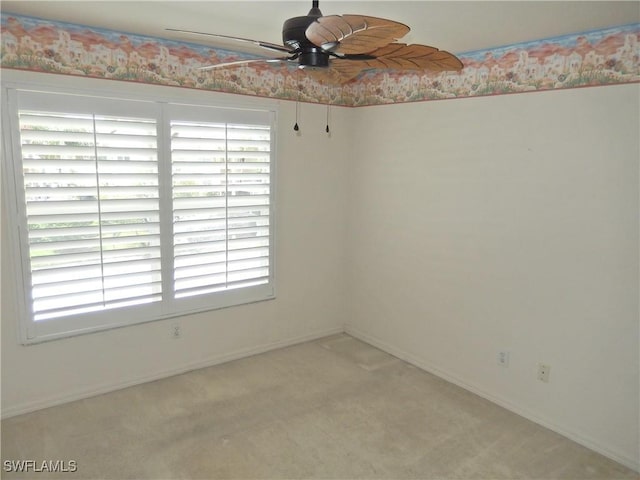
(336, 48)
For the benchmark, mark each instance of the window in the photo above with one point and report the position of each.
(131, 211)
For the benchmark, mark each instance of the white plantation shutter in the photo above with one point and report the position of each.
(221, 201)
(91, 191)
(131, 211)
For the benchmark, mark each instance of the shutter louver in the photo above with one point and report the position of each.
(221, 205)
(92, 207)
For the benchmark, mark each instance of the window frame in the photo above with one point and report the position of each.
(165, 106)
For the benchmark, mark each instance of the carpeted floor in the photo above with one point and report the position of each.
(333, 408)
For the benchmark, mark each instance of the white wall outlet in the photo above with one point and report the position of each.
(543, 373)
(503, 358)
(176, 330)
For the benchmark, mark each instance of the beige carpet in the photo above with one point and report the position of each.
(334, 408)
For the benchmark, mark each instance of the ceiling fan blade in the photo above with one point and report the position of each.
(244, 62)
(401, 56)
(354, 34)
(259, 43)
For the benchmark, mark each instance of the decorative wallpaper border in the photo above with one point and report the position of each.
(601, 57)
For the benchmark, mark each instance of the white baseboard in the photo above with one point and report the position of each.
(529, 415)
(92, 391)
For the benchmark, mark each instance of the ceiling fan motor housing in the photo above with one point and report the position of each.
(294, 36)
(313, 58)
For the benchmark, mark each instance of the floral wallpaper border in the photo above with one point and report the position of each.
(601, 57)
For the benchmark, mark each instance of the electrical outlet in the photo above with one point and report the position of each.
(503, 358)
(176, 330)
(543, 373)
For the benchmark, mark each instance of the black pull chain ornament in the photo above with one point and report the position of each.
(327, 128)
(296, 127)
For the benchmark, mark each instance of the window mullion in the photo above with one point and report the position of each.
(165, 182)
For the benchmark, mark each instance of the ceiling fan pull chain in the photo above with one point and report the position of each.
(328, 108)
(296, 127)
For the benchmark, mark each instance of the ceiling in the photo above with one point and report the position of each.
(456, 26)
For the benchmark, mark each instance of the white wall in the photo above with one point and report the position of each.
(310, 223)
(507, 222)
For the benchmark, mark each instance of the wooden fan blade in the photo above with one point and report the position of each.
(354, 34)
(401, 56)
(247, 41)
(243, 62)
